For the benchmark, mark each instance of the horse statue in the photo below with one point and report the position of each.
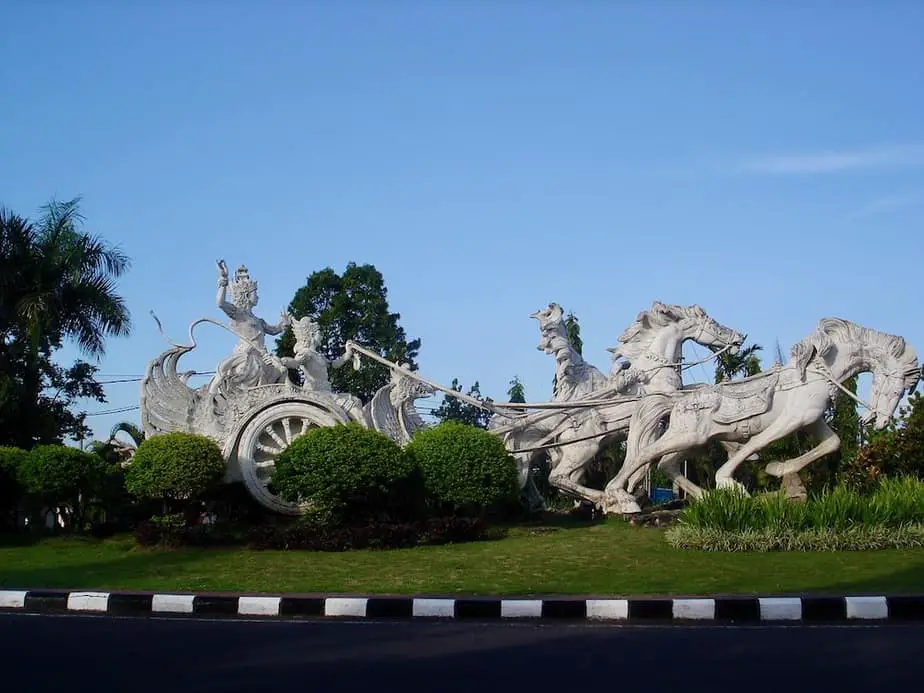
(646, 361)
(769, 406)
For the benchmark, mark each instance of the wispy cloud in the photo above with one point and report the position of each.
(889, 203)
(911, 154)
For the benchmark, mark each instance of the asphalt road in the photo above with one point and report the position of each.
(101, 654)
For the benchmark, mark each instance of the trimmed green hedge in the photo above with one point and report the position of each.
(465, 469)
(174, 467)
(348, 473)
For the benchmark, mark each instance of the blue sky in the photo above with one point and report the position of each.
(488, 158)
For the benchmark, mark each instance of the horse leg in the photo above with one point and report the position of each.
(617, 497)
(568, 473)
(830, 442)
(670, 465)
(780, 428)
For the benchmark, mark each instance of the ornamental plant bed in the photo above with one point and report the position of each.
(891, 516)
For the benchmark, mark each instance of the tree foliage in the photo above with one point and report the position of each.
(743, 364)
(11, 491)
(61, 476)
(898, 450)
(454, 409)
(352, 306)
(57, 284)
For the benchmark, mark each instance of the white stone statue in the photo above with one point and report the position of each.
(574, 377)
(647, 360)
(769, 406)
(246, 366)
(391, 410)
(313, 365)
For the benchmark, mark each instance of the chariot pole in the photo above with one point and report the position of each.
(488, 405)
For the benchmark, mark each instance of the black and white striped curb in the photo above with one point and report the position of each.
(721, 609)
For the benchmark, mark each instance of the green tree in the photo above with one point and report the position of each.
(573, 330)
(897, 450)
(454, 409)
(516, 392)
(58, 284)
(352, 306)
(11, 491)
(745, 363)
(115, 450)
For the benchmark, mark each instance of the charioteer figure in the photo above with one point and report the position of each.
(245, 367)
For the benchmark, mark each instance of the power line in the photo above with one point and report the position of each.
(138, 378)
(121, 410)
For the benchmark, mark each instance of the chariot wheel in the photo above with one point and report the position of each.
(270, 432)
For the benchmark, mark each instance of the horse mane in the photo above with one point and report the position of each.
(636, 338)
(833, 330)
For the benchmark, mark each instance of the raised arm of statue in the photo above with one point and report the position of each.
(280, 327)
(343, 360)
(226, 306)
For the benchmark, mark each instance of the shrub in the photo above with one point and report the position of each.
(347, 474)
(61, 476)
(465, 469)
(896, 451)
(174, 468)
(11, 491)
(167, 531)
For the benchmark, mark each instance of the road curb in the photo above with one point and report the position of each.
(734, 609)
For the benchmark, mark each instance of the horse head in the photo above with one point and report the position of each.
(847, 349)
(893, 377)
(551, 325)
(661, 331)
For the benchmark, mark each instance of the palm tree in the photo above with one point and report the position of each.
(746, 363)
(125, 450)
(57, 284)
(75, 284)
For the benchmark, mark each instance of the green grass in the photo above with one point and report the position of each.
(609, 558)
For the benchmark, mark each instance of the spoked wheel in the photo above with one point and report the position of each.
(268, 434)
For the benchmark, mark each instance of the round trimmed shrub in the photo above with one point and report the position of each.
(347, 474)
(58, 475)
(465, 468)
(174, 467)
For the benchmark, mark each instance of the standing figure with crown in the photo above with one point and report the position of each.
(245, 367)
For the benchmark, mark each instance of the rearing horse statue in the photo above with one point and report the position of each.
(771, 405)
(646, 361)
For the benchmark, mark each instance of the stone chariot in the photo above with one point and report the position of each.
(256, 404)
(252, 407)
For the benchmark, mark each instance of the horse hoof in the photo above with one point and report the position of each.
(774, 469)
(621, 503)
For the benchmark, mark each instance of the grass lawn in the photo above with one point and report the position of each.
(611, 558)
